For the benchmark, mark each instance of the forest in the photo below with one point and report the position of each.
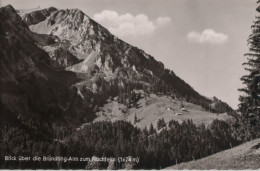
(180, 143)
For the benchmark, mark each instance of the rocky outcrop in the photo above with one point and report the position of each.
(220, 106)
(38, 16)
(62, 58)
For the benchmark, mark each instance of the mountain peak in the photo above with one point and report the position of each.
(52, 8)
(8, 16)
(76, 10)
(8, 8)
(37, 16)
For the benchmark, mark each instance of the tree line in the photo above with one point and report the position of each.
(179, 143)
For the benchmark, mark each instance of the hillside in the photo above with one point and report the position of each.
(155, 107)
(242, 157)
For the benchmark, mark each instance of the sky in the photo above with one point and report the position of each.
(202, 41)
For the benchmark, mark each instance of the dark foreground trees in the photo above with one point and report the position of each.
(180, 143)
(249, 105)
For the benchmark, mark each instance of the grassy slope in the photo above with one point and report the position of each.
(153, 108)
(240, 157)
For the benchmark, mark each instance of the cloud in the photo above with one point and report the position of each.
(163, 21)
(207, 36)
(130, 25)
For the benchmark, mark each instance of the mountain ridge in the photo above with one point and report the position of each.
(97, 46)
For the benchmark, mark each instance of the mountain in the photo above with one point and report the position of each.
(62, 63)
(104, 55)
(30, 85)
(242, 157)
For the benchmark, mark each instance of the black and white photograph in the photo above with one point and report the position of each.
(130, 84)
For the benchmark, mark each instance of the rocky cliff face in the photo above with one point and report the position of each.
(37, 16)
(91, 42)
(62, 58)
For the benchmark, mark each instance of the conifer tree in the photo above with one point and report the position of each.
(151, 129)
(249, 105)
(135, 119)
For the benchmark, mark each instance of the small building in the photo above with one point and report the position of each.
(183, 109)
(169, 108)
(178, 114)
